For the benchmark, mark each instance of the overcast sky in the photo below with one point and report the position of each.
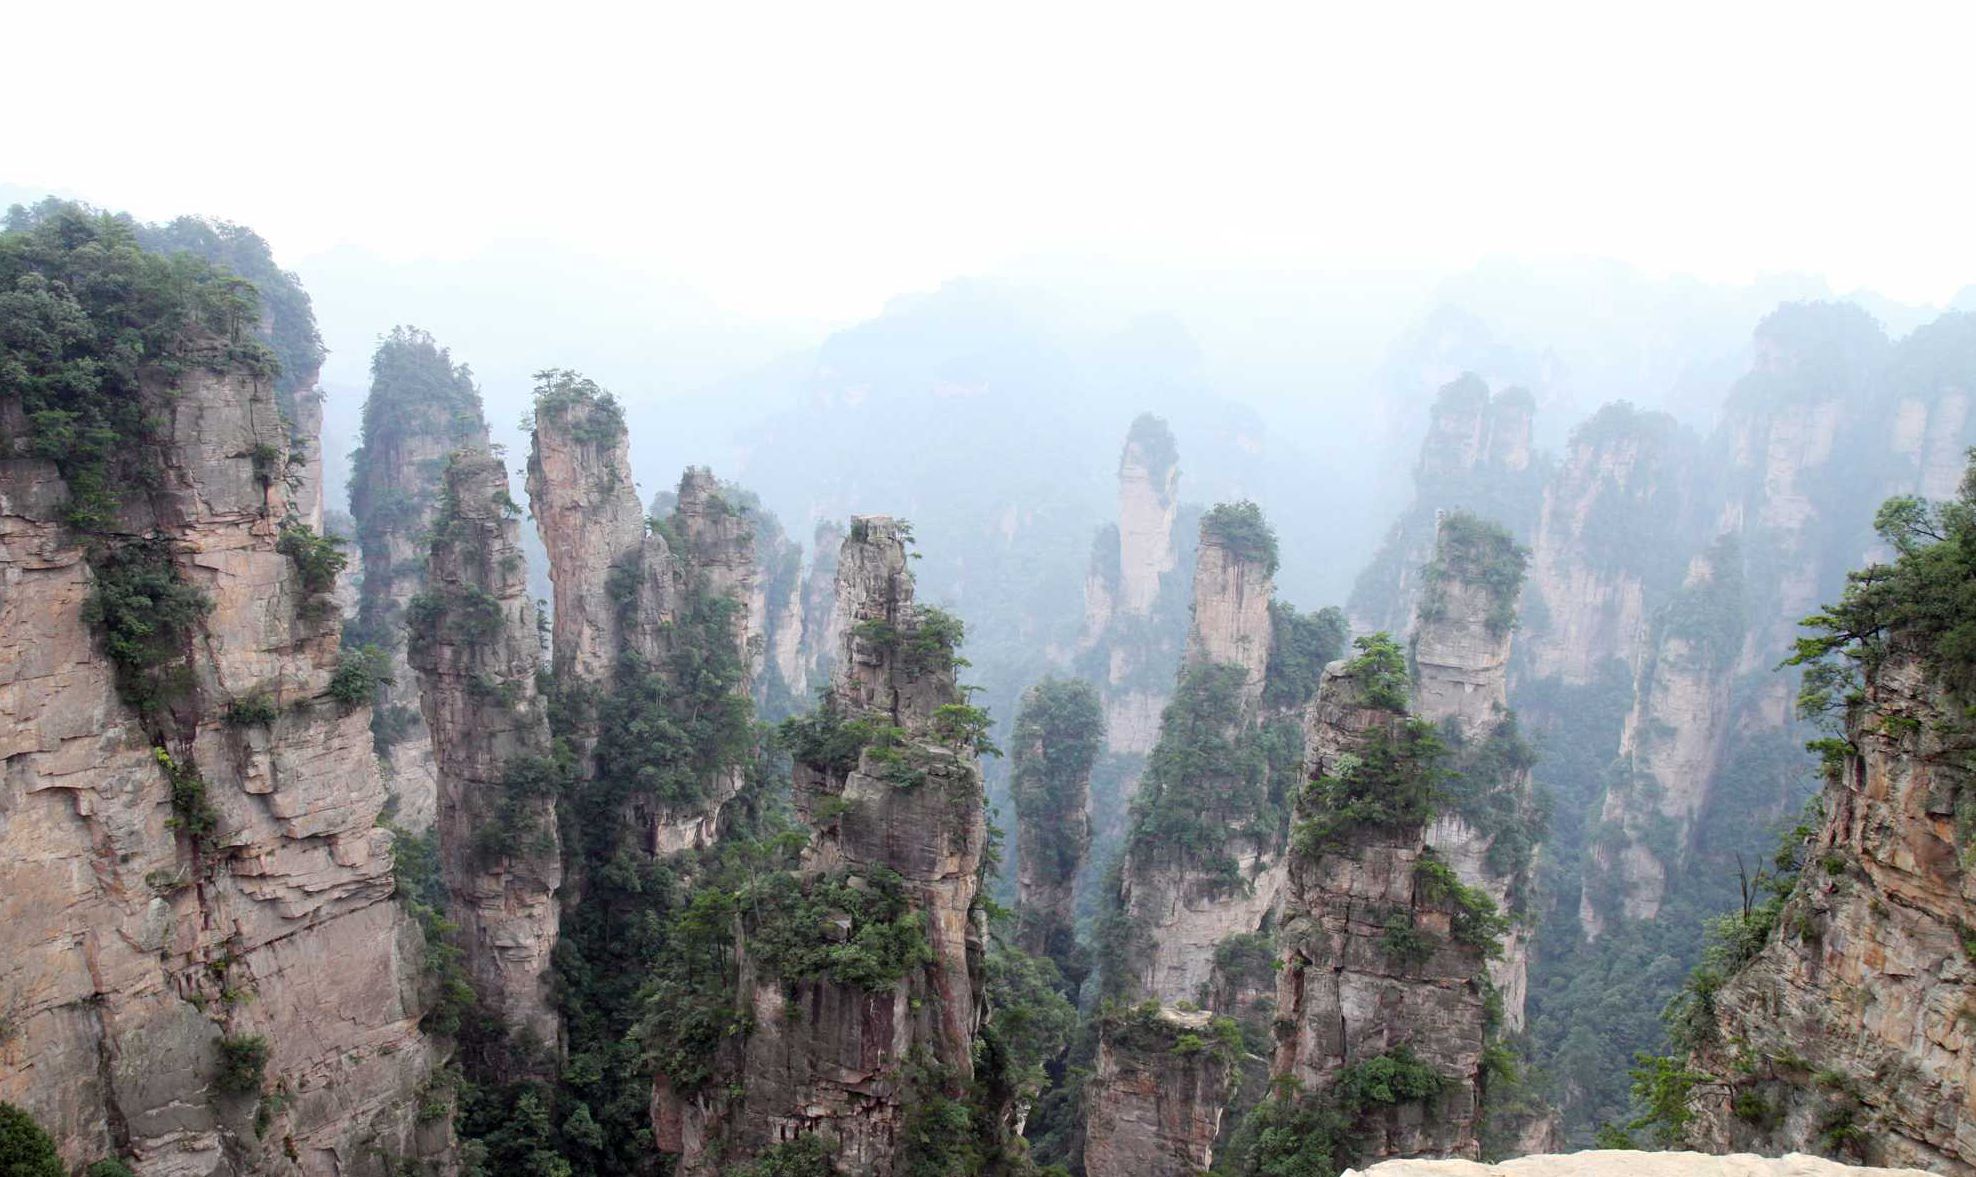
(810, 160)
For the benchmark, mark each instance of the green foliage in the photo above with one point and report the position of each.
(1058, 734)
(192, 810)
(1925, 601)
(1487, 788)
(109, 1167)
(669, 728)
(1396, 782)
(318, 559)
(964, 727)
(513, 825)
(1473, 551)
(1664, 1088)
(255, 709)
(447, 993)
(148, 617)
(26, 1150)
(358, 676)
(806, 1156)
(1380, 669)
(1710, 613)
(861, 933)
(1296, 1135)
(243, 1063)
(1301, 646)
(1473, 918)
(1241, 529)
(91, 325)
(561, 394)
(826, 739)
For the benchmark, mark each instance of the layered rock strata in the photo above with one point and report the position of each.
(477, 654)
(1851, 1028)
(421, 409)
(180, 890)
(1156, 1095)
(831, 1058)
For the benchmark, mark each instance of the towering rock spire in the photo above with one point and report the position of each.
(1201, 860)
(1461, 647)
(1476, 457)
(585, 506)
(1058, 734)
(421, 408)
(1148, 485)
(850, 1047)
(475, 646)
(1382, 951)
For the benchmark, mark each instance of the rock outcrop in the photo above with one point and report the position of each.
(475, 647)
(1135, 618)
(847, 1060)
(1203, 858)
(1372, 966)
(1851, 1028)
(421, 409)
(587, 511)
(197, 897)
(1058, 735)
(1156, 1094)
(1610, 537)
(1460, 655)
(1476, 457)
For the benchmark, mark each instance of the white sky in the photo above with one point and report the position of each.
(810, 160)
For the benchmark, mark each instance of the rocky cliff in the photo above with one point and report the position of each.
(1609, 539)
(205, 969)
(421, 408)
(1627, 1163)
(852, 1053)
(1848, 1031)
(206, 972)
(1203, 855)
(587, 511)
(1382, 961)
(1058, 734)
(1157, 1093)
(1477, 457)
(474, 644)
(1135, 618)
(1461, 651)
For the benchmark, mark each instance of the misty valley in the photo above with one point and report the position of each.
(1001, 749)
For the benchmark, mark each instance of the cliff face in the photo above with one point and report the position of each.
(1671, 746)
(1477, 457)
(1058, 734)
(849, 1060)
(1613, 516)
(1135, 618)
(1180, 896)
(587, 510)
(175, 885)
(1156, 1094)
(421, 408)
(1850, 1029)
(1461, 651)
(1148, 485)
(1370, 966)
(476, 651)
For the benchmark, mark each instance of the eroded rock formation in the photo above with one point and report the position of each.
(191, 887)
(1058, 734)
(1156, 1094)
(1625, 1163)
(475, 647)
(421, 408)
(1851, 1028)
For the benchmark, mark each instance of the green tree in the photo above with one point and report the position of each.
(26, 1150)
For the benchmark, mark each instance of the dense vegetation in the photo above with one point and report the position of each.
(26, 1150)
(92, 328)
(1058, 735)
(1241, 529)
(1474, 552)
(1294, 1134)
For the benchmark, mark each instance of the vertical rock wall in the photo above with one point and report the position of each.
(134, 948)
(476, 651)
